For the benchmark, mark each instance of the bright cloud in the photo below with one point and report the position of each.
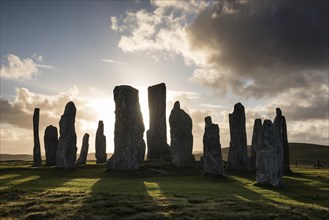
(22, 68)
(16, 116)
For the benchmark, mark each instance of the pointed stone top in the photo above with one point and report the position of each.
(100, 129)
(177, 105)
(69, 108)
(208, 121)
(86, 135)
(36, 110)
(278, 112)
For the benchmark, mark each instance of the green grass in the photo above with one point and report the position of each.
(156, 192)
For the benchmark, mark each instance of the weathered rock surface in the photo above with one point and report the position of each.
(237, 155)
(84, 150)
(212, 160)
(100, 144)
(281, 126)
(255, 134)
(67, 144)
(36, 147)
(157, 146)
(129, 145)
(51, 143)
(269, 160)
(181, 137)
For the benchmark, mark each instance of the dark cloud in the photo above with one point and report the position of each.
(260, 48)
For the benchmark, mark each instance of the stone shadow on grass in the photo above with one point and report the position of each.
(119, 195)
(229, 197)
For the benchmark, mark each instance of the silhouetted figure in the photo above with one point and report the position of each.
(317, 164)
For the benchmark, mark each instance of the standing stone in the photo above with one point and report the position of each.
(181, 137)
(100, 144)
(84, 150)
(255, 134)
(36, 148)
(281, 126)
(51, 142)
(212, 160)
(129, 145)
(157, 134)
(67, 144)
(237, 155)
(269, 160)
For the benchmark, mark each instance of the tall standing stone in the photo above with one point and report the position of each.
(84, 150)
(181, 137)
(67, 144)
(100, 144)
(269, 160)
(237, 155)
(36, 148)
(51, 143)
(129, 145)
(157, 146)
(255, 134)
(212, 160)
(281, 126)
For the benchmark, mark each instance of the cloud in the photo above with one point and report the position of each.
(22, 68)
(112, 61)
(20, 111)
(255, 49)
(258, 49)
(161, 32)
(16, 116)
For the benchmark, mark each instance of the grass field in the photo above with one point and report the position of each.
(158, 191)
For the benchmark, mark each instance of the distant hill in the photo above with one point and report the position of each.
(303, 154)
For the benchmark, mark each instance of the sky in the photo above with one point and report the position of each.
(210, 54)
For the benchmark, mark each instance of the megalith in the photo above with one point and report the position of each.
(255, 134)
(84, 150)
(36, 147)
(129, 145)
(212, 152)
(100, 144)
(281, 126)
(157, 147)
(67, 144)
(181, 137)
(269, 160)
(237, 155)
(51, 143)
